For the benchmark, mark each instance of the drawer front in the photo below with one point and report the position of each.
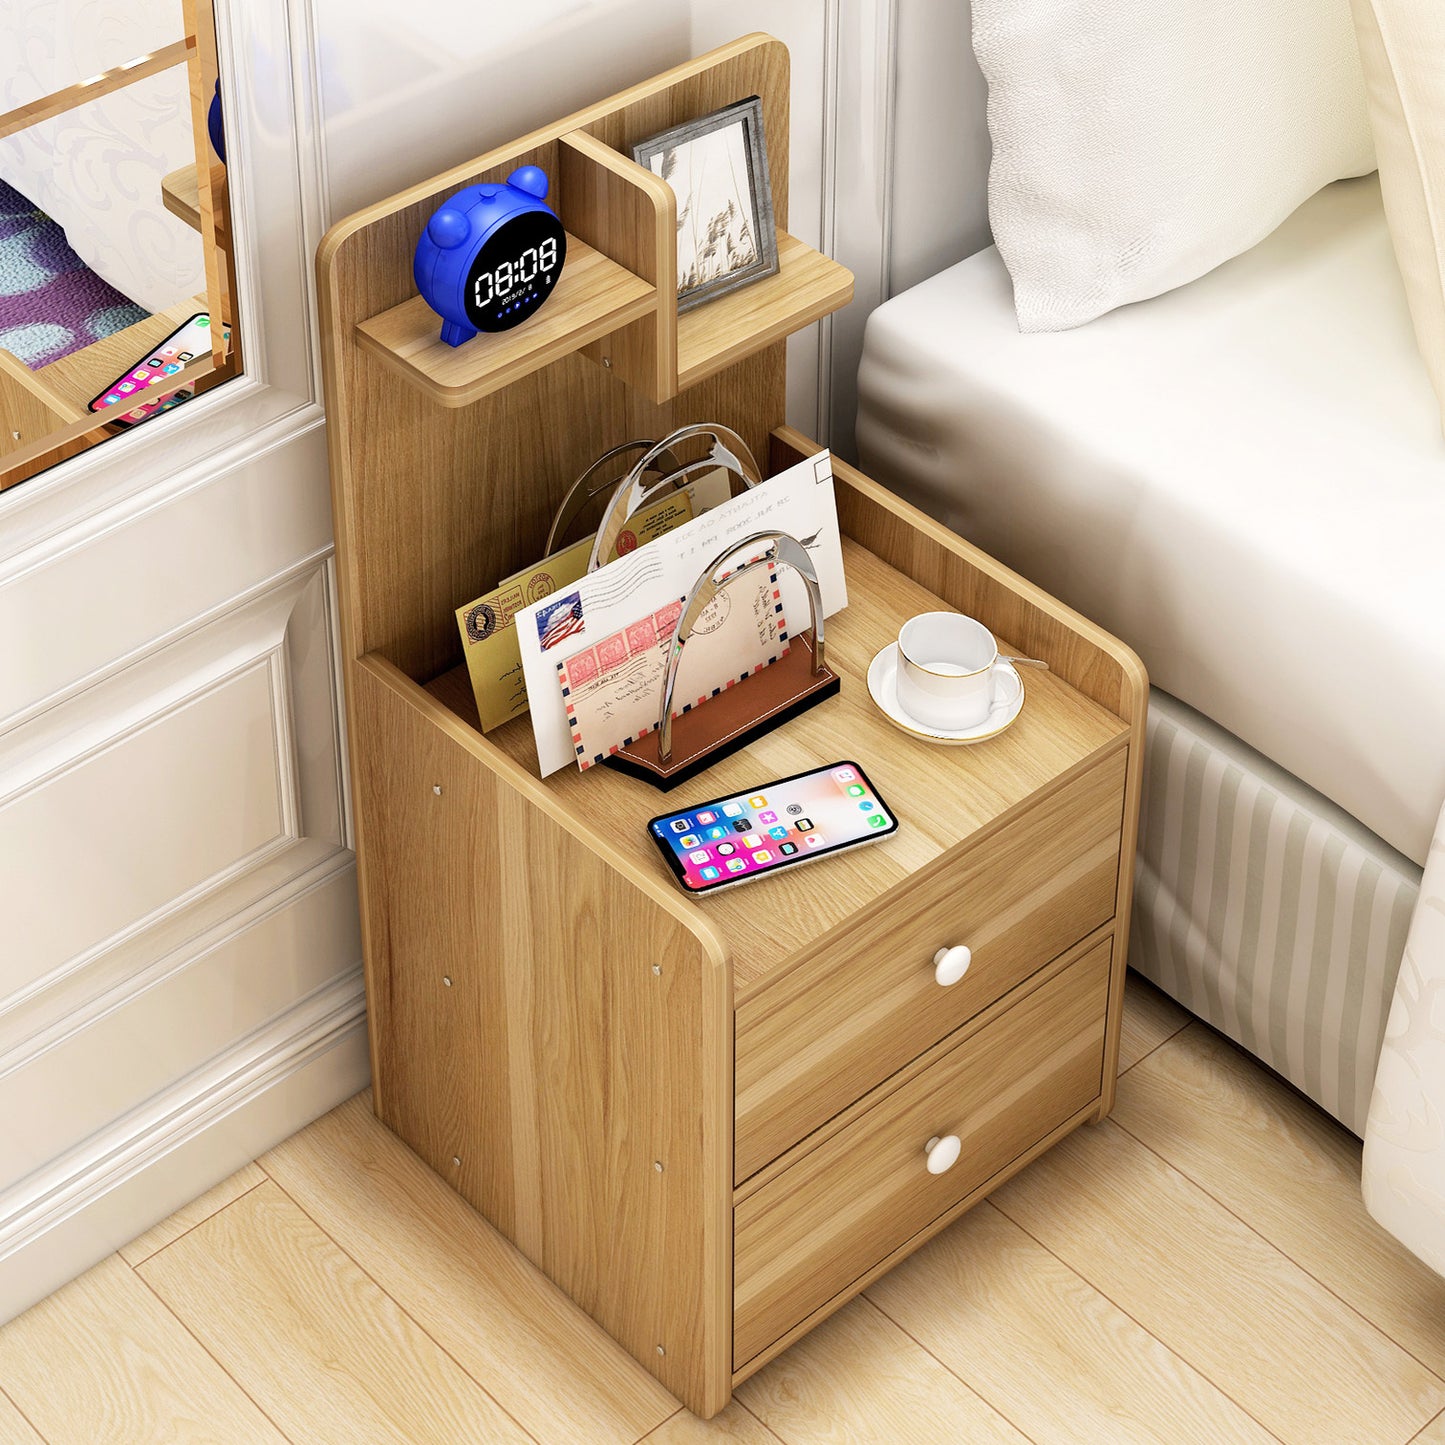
(826, 1033)
(814, 1229)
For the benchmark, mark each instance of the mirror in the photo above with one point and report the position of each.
(117, 300)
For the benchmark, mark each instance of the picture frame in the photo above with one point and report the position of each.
(717, 166)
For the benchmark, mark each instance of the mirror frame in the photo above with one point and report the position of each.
(275, 181)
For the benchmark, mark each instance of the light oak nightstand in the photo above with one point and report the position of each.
(710, 1122)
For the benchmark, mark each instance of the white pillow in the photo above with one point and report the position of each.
(1137, 144)
(1402, 43)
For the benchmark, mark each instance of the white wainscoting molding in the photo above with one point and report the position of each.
(117, 1184)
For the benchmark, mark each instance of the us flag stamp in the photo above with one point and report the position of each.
(561, 620)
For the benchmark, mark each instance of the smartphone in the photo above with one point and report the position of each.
(153, 368)
(777, 825)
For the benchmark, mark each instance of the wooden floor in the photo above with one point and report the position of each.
(1198, 1268)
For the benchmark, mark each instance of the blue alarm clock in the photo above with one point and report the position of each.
(489, 258)
(214, 126)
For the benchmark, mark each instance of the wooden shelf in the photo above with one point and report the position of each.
(594, 296)
(181, 196)
(808, 286)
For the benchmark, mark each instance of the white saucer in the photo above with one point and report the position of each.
(883, 685)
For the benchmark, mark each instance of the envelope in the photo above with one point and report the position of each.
(613, 690)
(488, 625)
(598, 606)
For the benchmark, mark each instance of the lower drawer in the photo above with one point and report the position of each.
(814, 1229)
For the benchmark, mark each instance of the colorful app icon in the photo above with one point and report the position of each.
(689, 840)
(804, 825)
(752, 840)
(186, 356)
(813, 840)
(171, 369)
(777, 833)
(707, 817)
(700, 855)
(127, 387)
(757, 801)
(736, 865)
(732, 810)
(795, 808)
(679, 825)
(788, 849)
(725, 850)
(867, 805)
(768, 817)
(139, 374)
(713, 834)
(878, 821)
(742, 825)
(155, 363)
(112, 398)
(855, 790)
(708, 874)
(203, 321)
(844, 775)
(762, 856)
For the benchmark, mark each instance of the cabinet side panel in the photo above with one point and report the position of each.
(584, 1039)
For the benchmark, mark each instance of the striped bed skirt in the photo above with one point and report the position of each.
(1266, 910)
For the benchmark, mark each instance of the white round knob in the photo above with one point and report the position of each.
(950, 965)
(943, 1153)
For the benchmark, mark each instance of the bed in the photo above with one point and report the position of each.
(1244, 479)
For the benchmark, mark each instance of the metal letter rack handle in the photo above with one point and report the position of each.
(726, 449)
(583, 490)
(783, 550)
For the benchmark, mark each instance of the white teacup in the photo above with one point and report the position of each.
(949, 674)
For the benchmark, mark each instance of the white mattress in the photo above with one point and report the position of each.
(1244, 479)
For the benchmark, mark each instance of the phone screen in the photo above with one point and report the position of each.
(154, 370)
(794, 820)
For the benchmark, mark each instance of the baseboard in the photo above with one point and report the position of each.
(144, 1167)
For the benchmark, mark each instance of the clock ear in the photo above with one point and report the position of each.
(449, 228)
(531, 179)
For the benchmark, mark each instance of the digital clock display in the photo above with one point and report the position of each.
(514, 271)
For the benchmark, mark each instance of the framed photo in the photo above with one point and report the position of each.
(717, 167)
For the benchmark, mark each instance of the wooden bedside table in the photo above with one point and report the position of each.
(706, 1120)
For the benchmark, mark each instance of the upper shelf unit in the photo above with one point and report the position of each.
(616, 299)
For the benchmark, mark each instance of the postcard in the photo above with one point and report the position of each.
(488, 625)
(798, 501)
(613, 690)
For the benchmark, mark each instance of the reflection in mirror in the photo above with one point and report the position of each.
(117, 299)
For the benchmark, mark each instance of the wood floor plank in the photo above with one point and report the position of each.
(858, 1377)
(1004, 1314)
(1289, 1171)
(1433, 1433)
(188, 1217)
(1250, 1319)
(14, 1429)
(329, 1356)
(1150, 1017)
(735, 1423)
(103, 1360)
(554, 1371)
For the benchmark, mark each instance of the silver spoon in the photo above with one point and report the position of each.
(1024, 661)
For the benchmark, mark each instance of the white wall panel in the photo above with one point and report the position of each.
(145, 571)
(150, 1037)
(142, 824)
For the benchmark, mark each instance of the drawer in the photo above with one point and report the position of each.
(824, 1034)
(838, 1211)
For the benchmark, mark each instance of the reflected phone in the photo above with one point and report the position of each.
(776, 825)
(125, 396)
